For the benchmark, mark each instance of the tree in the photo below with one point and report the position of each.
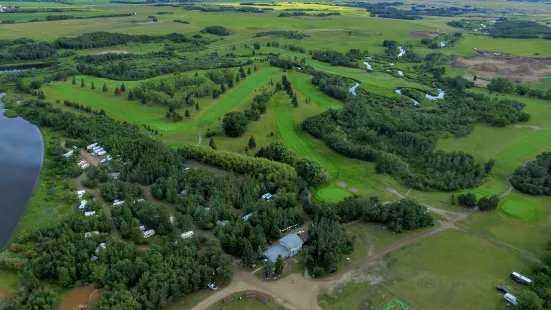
(93, 86)
(187, 113)
(197, 106)
(28, 280)
(105, 89)
(268, 269)
(74, 82)
(237, 78)
(279, 265)
(230, 82)
(123, 88)
(82, 83)
(528, 300)
(252, 143)
(242, 72)
(254, 67)
(467, 200)
(117, 91)
(212, 144)
(312, 172)
(196, 74)
(485, 203)
(489, 165)
(249, 71)
(215, 93)
(222, 88)
(248, 258)
(234, 124)
(119, 299)
(295, 101)
(130, 95)
(278, 151)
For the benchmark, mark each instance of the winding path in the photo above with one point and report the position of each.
(508, 190)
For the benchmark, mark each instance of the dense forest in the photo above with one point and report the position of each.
(392, 10)
(402, 139)
(520, 29)
(534, 177)
(103, 39)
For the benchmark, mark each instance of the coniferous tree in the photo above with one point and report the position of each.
(255, 68)
(74, 80)
(268, 269)
(295, 101)
(249, 256)
(123, 88)
(197, 106)
(279, 265)
(242, 72)
(249, 71)
(105, 89)
(117, 91)
(237, 78)
(222, 88)
(196, 74)
(212, 144)
(230, 82)
(187, 113)
(82, 83)
(130, 95)
(252, 143)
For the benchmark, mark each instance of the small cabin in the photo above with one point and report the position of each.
(267, 196)
(83, 205)
(148, 233)
(89, 213)
(187, 235)
(90, 234)
(81, 194)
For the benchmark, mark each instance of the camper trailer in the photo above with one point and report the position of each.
(510, 298)
(520, 278)
(187, 235)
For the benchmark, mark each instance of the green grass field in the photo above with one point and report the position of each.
(50, 200)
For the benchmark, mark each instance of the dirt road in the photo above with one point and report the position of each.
(296, 292)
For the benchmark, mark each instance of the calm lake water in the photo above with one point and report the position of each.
(21, 154)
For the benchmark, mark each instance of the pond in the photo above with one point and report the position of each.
(21, 154)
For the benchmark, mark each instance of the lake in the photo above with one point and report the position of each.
(21, 154)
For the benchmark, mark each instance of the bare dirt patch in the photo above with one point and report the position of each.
(342, 184)
(81, 296)
(424, 34)
(4, 291)
(103, 52)
(518, 69)
(353, 190)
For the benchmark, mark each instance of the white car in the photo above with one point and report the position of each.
(212, 286)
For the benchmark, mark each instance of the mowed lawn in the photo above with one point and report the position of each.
(454, 270)
(119, 107)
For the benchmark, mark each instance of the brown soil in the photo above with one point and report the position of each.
(4, 291)
(353, 189)
(80, 296)
(517, 69)
(111, 52)
(424, 34)
(342, 184)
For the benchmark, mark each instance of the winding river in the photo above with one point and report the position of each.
(352, 90)
(21, 154)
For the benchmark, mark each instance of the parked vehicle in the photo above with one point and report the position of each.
(212, 286)
(502, 289)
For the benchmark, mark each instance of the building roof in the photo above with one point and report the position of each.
(291, 241)
(273, 252)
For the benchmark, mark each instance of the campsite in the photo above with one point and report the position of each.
(293, 155)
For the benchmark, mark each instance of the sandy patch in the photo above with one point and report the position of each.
(342, 184)
(4, 291)
(424, 34)
(110, 52)
(519, 69)
(81, 296)
(528, 126)
(353, 189)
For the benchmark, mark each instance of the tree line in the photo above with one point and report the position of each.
(503, 85)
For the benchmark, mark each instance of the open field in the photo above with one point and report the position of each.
(83, 296)
(247, 304)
